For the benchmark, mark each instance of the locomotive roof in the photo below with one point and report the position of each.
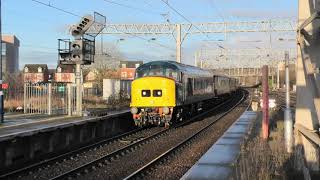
(180, 67)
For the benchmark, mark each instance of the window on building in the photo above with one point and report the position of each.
(59, 69)
(124, 74)
(123, 65)
(26, 69)
(39, 70)
(4, 49)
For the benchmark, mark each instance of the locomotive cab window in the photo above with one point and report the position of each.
(158, 70)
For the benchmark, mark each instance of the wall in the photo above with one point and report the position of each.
(111, 87)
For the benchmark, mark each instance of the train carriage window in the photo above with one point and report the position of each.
(203, 84)
(198, 84)
(195, 84)
(189, 87)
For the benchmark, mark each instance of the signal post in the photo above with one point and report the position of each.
(81, 50)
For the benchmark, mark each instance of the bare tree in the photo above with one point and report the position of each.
(107, 58)
(106, 63)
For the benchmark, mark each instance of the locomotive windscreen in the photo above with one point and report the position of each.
(157, 70)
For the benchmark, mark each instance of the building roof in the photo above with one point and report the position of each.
(66, 68)
(130, 64)
(12, 39)
(51, 71)
(33, 68)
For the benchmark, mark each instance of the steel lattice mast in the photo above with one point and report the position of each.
(181, 31)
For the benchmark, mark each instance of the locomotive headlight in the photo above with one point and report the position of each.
(157, 93)
(166, 110)
(145, 93)
(134, 110)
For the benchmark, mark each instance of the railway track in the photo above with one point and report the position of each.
(129, 143)
(140, 173)
(107, 159)
(119, 156)
(281, 96)
(46, 163)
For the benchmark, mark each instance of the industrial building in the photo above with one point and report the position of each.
(10, 54)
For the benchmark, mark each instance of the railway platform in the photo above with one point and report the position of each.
(219, 162)
(21, 124)
(26, 138)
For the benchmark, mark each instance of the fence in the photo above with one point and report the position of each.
(49, 98)
(12, 91)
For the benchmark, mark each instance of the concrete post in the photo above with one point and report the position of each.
(49, 98)
(178, 43)
(79, 89)
(69, 89)
(287, 115)
(265, 101)
(25, 98)
(278, 76)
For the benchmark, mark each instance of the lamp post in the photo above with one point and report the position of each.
(287, 114)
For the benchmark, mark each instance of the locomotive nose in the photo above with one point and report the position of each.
(153, 92)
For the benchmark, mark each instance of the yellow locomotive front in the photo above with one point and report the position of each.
(152, 100)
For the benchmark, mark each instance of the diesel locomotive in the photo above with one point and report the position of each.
(163, 91)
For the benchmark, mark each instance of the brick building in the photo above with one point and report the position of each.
(128, 69)
(65, 73)
(35, 73)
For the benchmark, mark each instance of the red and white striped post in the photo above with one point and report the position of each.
(265, 102)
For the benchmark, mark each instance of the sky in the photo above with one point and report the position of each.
(38, 27)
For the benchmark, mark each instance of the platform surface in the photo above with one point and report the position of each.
(218, 162)
(26, 124)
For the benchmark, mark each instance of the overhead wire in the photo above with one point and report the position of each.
(131, 7)
(213, 5)
(57, 8)
(73, 14)
(185, 18)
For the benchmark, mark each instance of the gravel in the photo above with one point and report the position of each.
(70, 163)
(127, 164)
(178, 165)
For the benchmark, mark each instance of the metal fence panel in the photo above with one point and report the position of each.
(49, 98)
